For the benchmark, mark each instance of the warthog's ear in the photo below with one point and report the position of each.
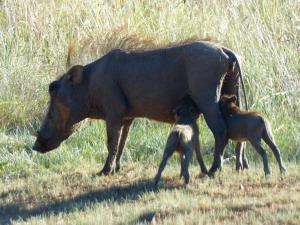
(75, 74)
(233, 99)
(53, 88)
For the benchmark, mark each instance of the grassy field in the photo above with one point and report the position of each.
(57, 188)
(128, 197)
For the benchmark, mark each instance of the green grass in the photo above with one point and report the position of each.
(34, 40)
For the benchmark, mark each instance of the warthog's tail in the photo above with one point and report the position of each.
(232, 78)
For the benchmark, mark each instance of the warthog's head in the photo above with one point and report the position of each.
(226, 103)
(68, 105)
(186, 109)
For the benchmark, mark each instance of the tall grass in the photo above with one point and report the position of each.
(35, 37)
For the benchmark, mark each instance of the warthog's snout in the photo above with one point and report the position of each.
(44, 147)
(45, 143)
(39, 147)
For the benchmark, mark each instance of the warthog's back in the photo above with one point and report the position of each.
(154, 81)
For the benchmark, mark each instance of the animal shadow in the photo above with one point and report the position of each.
(14, 211)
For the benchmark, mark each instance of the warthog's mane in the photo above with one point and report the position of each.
(119, 38)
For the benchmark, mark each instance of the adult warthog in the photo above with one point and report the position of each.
(121, 86)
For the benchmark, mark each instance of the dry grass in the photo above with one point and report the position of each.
(128, 198)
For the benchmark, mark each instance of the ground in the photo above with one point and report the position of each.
(128, 197)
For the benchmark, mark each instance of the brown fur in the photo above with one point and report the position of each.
(249, 126)
(64, 113)
(183, 139)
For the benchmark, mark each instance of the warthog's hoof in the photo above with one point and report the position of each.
(283, 170)
(106, 171)
(203, 175)
(211, 174)
(205, 172)
(118, 167)
(186, 180)
(267, 174)
(245, 164)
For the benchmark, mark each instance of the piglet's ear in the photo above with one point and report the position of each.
(233, 99)
(75, 74)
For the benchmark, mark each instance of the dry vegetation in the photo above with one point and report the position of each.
(57, 188)
(128, 198)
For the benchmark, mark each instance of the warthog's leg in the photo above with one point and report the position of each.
(215, 122)
(113, 127)
(244, 157)
(271, 143)
(122, 142)
(199, 156)
(170, 148)
(167, 153)
(256, 144)
(188, 153)
(114, 109)
(239, 156)
(181, 164)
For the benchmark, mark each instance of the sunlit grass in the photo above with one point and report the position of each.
(129, 198)
(34, 40)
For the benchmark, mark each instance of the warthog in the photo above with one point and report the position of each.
(184, 138)
(249, 126)
(121, 86)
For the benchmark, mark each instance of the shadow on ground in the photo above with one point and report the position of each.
(11, 212)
